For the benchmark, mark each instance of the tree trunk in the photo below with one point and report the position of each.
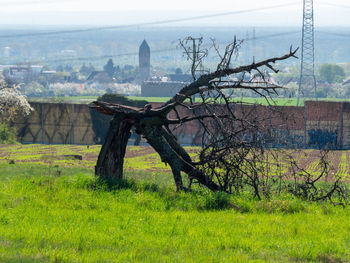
(155, 138)
(172, 153)
(111, 158)
(150, 122)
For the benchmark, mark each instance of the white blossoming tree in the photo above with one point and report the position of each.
(12, 103)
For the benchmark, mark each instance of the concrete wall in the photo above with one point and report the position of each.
(315, 125)
(56, 123)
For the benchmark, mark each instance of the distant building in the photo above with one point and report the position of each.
(19, 74)
(161, 88)
(144, 61)
(36, 69)
(181, 77)
(48, 72)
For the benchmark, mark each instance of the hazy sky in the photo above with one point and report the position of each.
(99, 12)
(119, 5)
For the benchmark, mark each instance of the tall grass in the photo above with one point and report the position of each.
(70, 216)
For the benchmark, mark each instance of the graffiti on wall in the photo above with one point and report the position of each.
(323, 138)
(284, 138)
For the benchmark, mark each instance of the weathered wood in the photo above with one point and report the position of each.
(172, 153)
(155, 137)
(150, 124)
(111, 158)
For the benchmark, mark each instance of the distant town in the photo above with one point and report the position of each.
(64, 66)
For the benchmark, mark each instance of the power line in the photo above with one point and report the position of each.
(149, 23)
(172, 49)
(100, 57)
(153, 51)
(273, 35)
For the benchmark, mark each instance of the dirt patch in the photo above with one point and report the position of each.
(55, 154)
(130, 153)
(90, 156)
(136, 151)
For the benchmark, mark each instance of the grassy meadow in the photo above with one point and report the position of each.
(53, 209)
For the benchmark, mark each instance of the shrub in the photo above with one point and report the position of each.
(217, 201)
(7, 134)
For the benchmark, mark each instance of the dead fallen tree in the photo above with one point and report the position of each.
(220, 138)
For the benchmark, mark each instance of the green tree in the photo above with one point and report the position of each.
(109, 68)
(331, 73)
(178, 71)
(91, 68)
(59, 68)
(84, 69)
(68, 68)
(7, 134)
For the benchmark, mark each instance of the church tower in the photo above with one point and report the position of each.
(144, 61)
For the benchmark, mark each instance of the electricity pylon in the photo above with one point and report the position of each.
(307, 71)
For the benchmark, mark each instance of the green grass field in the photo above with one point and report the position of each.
(259, 100)
(70, 99)
(59, 212)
